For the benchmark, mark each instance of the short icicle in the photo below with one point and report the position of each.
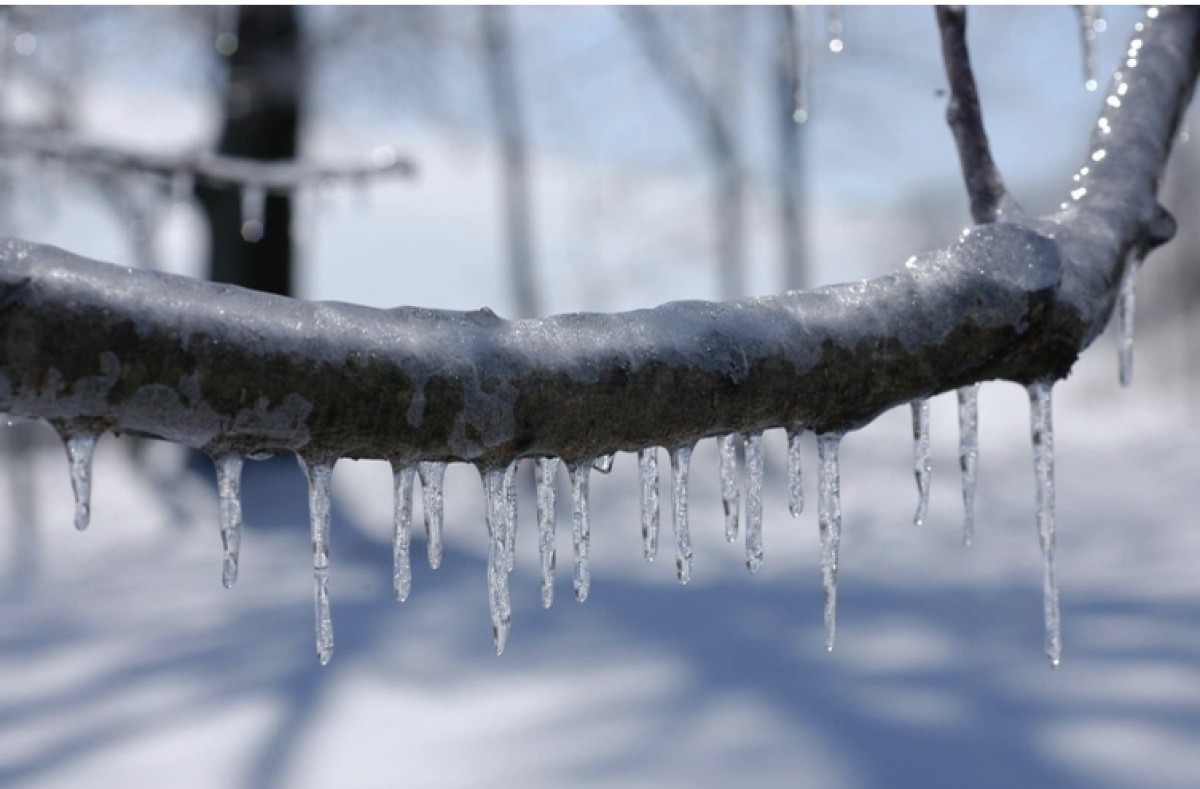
(581, 530)
(229, 496)
(510, 511)
(1089, 22)
(799, 57)
(795, 479)
(968, 454)
(547, 470)
(829, 518)
(320, 475)
(754, 493)
(496, 515)
(1125, 308)
(922, 466)
(254, 200)
(433, 476)
(833, 28)
(81, 447)
(402, 515)
(604, 463)
(648, 471)
(681, 460)
(1042, 429)
(730, 490)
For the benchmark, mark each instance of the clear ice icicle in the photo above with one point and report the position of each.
(433, 476)
(681, 460)
(254, 200)
(1125, 306)
(81, 447)
(1042, 429)
(730, 489)
(799, 57)
(922, 465)
(229, 494)
(402, 515)
(829, 518)
(510, 511)
(1089, 16)
(648, 471)
(754, 491)
(795, 480)
(581, 530)
(604, 463)
(496, 515)
(547, 470)
(320, 475)
(968, 454)
(833, 28)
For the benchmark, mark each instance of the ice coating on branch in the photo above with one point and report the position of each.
(754, 493)
(547, 470)
(730, 490)
(1091, 23)
(648, 473)
(968, 454)
(254, 200)
(81, 446)
(1125, 316)
(402, 515)
(604, 463)
(795, 479)
(496, 516)
(320, 475)
(510, 511)
(1042, 429)
(829, 519)
(922, 465)
(681, 460)
(581, 532)
(433, 476)
(229, 495)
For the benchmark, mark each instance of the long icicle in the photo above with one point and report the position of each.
(754, 494)
(320, 475)
(433, 477)
(81, 447)
(968, 454)
(547, 470)
(795, 478)
(648, 471)
(829, 518)
(730, 490)
(496, 518)
(402, 513)
(1042, 429)
(681, 460)
(229, 498)
(922, 465)
(581, 531)
(510, 511)
(1125, 310)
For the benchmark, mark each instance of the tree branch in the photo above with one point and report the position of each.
(88, 345)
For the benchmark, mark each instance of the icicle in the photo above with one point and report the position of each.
(1089, 15)
(833, 28)
(730, 490)
(81, 447)
(581, 530)
(604, 463)
(510, 511)
(1125, 305)
(968, 454)
(496, 515)
(547, 469)
(229, 492)
(829, 517)
(433, 477)
(1042, 429)
(402, 514)
(648, 468)
(799, 53)
(681, 459)
(754, 490)
(320, 474)
(922, 466)
(795, 481)
(254, 199)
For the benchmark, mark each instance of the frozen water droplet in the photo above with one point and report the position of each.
(229, 493)
(81, 446)
(510, 511)
(730, 489)
(604, 463)
(754, 491)
(829, 518)
(922, 465)
(254, 199)
(1125, 309)
(496, 514)
(648, 470)
(581, 530)
(681, 460)
(433, 477)
(402, 515)
(968, 454)
(795, 480)
(320, 475)
(1088, 28)
(1042, 429)
(547, 470)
